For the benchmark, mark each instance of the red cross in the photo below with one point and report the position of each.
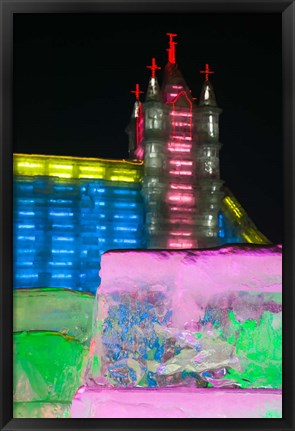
(171, 49)
(207, 71)
(137, 92)
(153, 67)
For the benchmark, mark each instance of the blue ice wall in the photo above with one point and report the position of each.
(61, 228)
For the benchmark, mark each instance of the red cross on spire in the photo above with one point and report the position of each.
(137, 92)
(171, 49)
(207, 71)
(153, 67)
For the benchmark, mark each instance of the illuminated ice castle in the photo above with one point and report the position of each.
(69, 210)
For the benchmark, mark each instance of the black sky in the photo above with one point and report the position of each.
(73, 75)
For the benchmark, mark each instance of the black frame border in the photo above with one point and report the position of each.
(7, 9)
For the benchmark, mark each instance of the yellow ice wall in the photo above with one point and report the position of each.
(122, 170)
(233, 210)
(77, 167)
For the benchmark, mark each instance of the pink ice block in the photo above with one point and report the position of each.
(184, 275)
(176, 403)
(237, 267)
(169, 325)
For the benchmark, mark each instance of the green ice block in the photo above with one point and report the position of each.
(60, 310)
(48, 366)
(259, 350)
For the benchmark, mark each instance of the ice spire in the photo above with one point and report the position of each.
(173, 81)
(153, 90)
(135, 111)
(137, 92)
(134, 129)
(207, 97)
(137, 103)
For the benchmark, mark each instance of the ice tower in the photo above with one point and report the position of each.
(179, 143)
(209, 183)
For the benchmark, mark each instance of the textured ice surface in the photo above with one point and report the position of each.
(61, 310)
(48, 367)
(197, 318)
(41, 410)
(176, 403)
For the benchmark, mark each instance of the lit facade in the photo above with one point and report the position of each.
(69, 210)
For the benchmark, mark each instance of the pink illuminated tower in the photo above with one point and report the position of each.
(180, 148)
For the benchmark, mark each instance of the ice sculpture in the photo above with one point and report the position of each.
(198, 319)
(62, 225)
(50, 209)
(68, 210)
(176, 334)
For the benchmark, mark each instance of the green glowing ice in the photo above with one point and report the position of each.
(60, 310)
(259, 349)
(48, 366)
(52, 333)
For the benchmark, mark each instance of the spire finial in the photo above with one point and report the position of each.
(137, 92)
(207, 71)
(171, 49)
(153, 67)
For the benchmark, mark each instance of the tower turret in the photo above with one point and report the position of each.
(154, 110)
(208, 118)
(156, 126)
(135, 128)
(208, 162)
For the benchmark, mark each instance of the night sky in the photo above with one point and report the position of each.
(73, 75)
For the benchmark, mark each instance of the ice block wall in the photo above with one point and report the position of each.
(193, 318)
(64, 221)
(68, 210)
(52, 331)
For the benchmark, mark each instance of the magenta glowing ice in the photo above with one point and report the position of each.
(176, 403)
(188, 320)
